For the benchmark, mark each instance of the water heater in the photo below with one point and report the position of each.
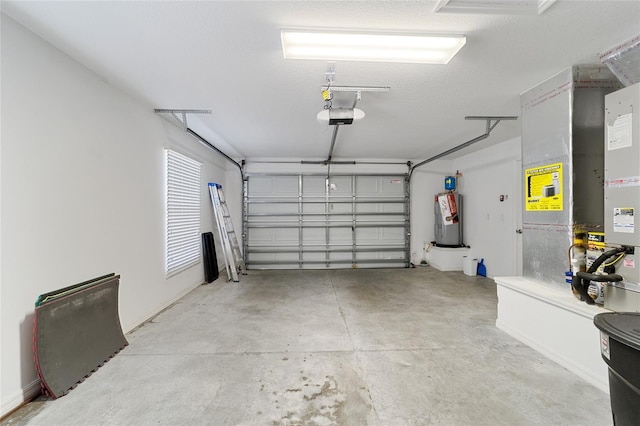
(448, 220)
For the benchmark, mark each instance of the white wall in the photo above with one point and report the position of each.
(82, 194)
(82, 188)
(426, 182)
(488, 224)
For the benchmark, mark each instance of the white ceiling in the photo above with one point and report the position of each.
(225, 56)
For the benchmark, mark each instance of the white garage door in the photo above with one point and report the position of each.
(305, 221)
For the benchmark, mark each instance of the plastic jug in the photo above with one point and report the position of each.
(469, 266)
(482, 269)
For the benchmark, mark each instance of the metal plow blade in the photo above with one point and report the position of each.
(76, 330)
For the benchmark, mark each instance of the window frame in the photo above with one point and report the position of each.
(183, 205)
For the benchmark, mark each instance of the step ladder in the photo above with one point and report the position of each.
(233, 260)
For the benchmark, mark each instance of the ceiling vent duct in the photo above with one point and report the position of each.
(563, 166)
(494, 7)
(624, 61)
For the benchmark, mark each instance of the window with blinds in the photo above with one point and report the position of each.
(183, 213)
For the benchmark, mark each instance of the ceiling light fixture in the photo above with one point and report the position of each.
(358, 46)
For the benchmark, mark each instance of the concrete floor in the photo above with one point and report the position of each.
(344, 347)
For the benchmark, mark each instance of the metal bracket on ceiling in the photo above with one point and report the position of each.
(356, 89)
(492, 122)
(489, 119)
(181, 114)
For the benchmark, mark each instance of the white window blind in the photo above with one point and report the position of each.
(183, 212)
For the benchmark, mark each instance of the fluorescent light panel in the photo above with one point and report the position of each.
(350, 46)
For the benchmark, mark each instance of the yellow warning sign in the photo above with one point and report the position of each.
(543, 188)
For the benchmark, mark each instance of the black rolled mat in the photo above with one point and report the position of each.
(210, 259)
(76, 332)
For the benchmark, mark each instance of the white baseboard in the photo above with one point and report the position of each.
(126, 328)
(446, 259)
(554, 355)
(18, 398)
(554, 323)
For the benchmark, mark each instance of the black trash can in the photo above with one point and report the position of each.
(620, 348)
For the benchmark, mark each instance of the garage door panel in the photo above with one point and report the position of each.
(340, 208)
(341, 220)
(314, 257)
(367, 185)
(271, 186)
(258, 236)
(368, 208)
(261, 185)
(270, 208)
(340, 256)
(375, 186)
(381, 218)
(285, 235)
(314, 236)
(264, 236)
(393, 235)
(314, 186)
(340, 186)
(380, 208)
(392, 208)
(285, 185)
(356, 221)
(379, 236)
(367, 235)
(313, 208)
(392, 187)
(381, 255)
(340, 235)
(274, 257)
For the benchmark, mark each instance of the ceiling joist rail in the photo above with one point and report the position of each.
(181, 116)
(352, 89)
(356, 88)
(492, 122)
(211, 146)
(333, 143)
